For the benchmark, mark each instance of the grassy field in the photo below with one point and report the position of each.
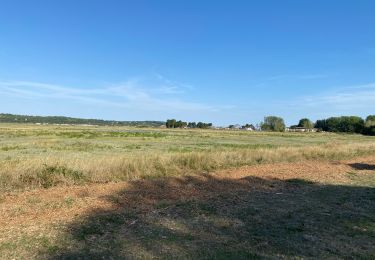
(71, 192)
(45, 156)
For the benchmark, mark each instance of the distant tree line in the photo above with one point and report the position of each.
(348, 124)
(173, 123)
(342, 124)
(10, 118)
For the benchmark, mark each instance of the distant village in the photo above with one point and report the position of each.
(341, 124)
(270, 124)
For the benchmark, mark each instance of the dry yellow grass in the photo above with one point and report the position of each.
(51, 171)
(34, 157)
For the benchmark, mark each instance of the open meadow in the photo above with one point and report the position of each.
(93, 192)
(44, 156)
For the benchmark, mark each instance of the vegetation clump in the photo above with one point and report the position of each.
(369, 128)
(306, 123)
(345, 124)
(273, 123)
(172, 123)
(50, 176)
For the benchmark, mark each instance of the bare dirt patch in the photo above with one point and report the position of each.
(287, 210)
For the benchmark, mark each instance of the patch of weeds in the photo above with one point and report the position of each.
(45, 242)
(182, 149)
(84, 146)
(132, 147)
(83, 134)
(260, 160)
(8, 246)
(33, 200)
(51, 176)
(246, 146)
(11, 147)
(92, 134)
(24, 246)
(48, 177)
(352, 175)
(52, 249)
(17, 211)
(69, 201)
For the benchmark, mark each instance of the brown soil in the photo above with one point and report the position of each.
(53, 205)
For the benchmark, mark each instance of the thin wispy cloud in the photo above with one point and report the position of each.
(137, 94)
(170, 87)
(343, 99)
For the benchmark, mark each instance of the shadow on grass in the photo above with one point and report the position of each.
(208, 217)
(363, 166)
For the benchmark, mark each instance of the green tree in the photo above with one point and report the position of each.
(321, 124)
(370, 121)
(184, 124)
(192, 125)
(369, 128)
(273, 123)
(204, 125)
(178, 124)
(306, 123)
(171, 123)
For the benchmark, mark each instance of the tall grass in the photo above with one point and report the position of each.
(52, 170)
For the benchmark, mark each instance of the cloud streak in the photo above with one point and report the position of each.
(345, 98)
(136, 94)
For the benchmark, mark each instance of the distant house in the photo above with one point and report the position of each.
(248, 128)
(300, 129)
(237, 126)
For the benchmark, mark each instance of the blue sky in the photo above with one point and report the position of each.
(217, 61)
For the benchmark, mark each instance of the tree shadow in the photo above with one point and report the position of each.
(208, 217)
(363, 166)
